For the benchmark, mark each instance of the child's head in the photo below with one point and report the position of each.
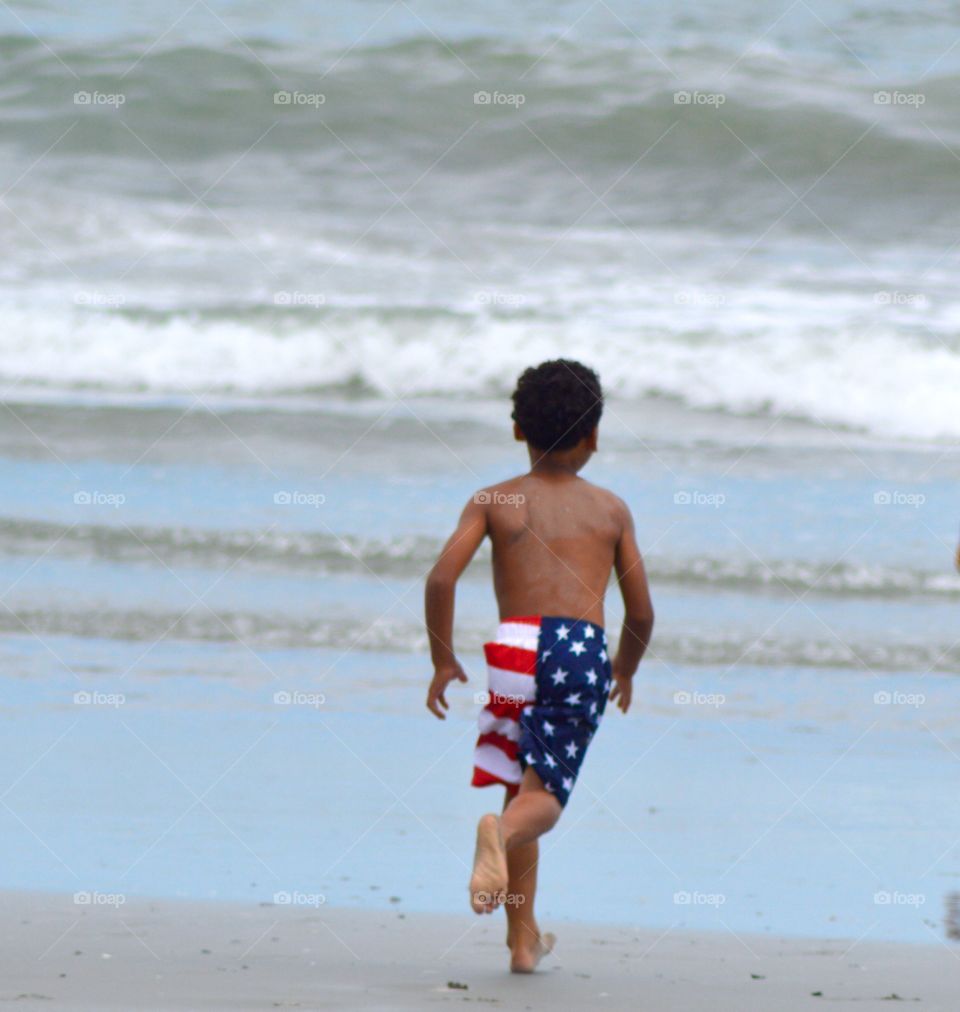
(557, 407)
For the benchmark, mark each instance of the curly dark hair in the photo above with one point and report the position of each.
(557, 403)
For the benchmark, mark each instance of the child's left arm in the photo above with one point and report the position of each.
(439, 601)
(638, 612)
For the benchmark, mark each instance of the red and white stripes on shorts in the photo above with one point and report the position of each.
(511, 685)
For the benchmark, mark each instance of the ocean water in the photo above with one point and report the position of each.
(269, 279)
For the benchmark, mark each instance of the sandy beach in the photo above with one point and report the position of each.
(172, 955)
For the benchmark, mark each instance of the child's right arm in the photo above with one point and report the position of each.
(439, 601)
(638, 612)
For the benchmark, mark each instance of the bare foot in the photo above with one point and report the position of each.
(488, 883)
(524, 958)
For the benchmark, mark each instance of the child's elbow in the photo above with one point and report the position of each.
(642, 619)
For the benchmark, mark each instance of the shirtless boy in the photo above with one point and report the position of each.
(556, 538)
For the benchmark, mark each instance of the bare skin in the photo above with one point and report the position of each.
(488, 883)
(505, 869)
(556, 540)
(526, 944)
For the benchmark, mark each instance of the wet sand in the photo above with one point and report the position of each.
(186, 955)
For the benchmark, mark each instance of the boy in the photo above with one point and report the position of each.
(555, 540)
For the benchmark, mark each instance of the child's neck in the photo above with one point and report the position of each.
(556, 464)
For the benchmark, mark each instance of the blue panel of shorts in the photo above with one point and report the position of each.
(573, 682)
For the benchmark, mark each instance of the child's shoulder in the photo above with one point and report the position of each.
(513, 491)
(611, 507)
(605, 495)
(506, 492)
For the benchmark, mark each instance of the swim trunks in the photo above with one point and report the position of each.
(548, 682)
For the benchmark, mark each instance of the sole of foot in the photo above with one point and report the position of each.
(526, 959)
(488, 883)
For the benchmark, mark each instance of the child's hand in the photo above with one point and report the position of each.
(622, 690)
(442, 677)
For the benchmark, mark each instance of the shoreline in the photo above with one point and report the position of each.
(184, 954)
(117, 817)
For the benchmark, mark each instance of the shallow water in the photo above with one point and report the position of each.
(786, 795)
(788, 801)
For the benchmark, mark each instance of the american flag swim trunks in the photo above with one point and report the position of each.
(548, 681)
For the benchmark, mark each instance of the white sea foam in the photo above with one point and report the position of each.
(759, 356)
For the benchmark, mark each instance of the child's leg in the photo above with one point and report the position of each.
(533, 812)
(521, 885)
(513, 872)
(527, 946)
(506, 864)
(521, 889)
(527, 816)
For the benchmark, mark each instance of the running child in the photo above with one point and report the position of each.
(556, 538)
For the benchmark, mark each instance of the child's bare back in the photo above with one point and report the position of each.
(555, 538)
